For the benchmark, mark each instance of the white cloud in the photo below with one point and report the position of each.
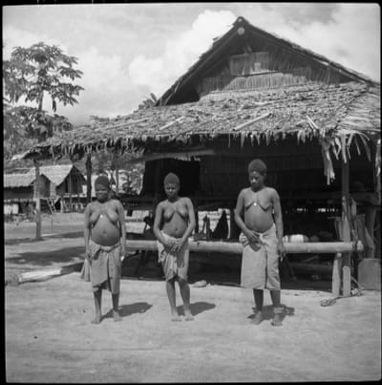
(350, 37)
(106, 85)
(14, 37)
(159, 73)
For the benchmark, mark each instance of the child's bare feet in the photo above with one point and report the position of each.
(175, 316)
(276, 321)
(188, 315)
(116, 316)
(258, 318)
(97, 320)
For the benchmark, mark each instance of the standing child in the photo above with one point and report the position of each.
(105, 243)
(258, 214)
(173, 224)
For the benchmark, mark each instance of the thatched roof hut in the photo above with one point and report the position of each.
(55, 180)
(251, 94)
(19, 187)
(65, 178)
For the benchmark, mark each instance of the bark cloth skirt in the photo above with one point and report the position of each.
(260, 261)
(104, 267)
(174, 264)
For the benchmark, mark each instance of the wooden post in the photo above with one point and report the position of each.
(70, 187)
(62, 205)
(158, 188)
(232, 224)
(336, 275)
(196, 220)
(346, 263)
(37, 200)
(373, 221)
(88, 178)
(117, 179)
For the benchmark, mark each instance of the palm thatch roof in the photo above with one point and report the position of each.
(18, 180)
(58, 173)
(349, 110)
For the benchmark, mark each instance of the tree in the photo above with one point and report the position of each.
(149, 102)
(33, 73)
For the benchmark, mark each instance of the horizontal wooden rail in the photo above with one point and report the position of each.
(236, 247)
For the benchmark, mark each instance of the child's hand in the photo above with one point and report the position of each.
(169, 245)
(178, 245)
(252, 236)
(281, 250)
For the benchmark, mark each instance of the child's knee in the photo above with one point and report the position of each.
(182, 281)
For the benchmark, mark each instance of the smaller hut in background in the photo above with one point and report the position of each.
(58, 185)
(19, 192)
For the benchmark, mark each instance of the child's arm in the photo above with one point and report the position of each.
(191, 223)
(87, 230)
(239, 210)
(277, 213)
(157, 222)
(121, 214)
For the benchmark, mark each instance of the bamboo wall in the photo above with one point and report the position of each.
(259, 70)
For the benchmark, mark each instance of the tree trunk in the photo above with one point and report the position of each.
(117, 178)
(70, 188)
(88, 178)
(37, 200)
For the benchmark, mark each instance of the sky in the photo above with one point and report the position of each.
(127, 51)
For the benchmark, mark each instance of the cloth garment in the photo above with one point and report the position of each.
(260, 261)
(174, 264)
(85, 271)
(104, 267)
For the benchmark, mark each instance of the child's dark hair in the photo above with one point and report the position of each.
(257, 165)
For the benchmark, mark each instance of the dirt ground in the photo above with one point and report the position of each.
(49, 338)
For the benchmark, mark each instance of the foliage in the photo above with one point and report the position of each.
(32, 73)
(40, 69)
(148, 102)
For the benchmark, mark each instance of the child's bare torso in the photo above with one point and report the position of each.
(175, 218)
(104, 220)
(258, 209)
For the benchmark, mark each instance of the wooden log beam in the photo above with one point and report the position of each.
(236, 247)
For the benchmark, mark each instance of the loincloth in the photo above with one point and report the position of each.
(260, 261)
(174, 264)
(104, 266)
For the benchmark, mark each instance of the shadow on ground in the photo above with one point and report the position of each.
(47, 258)
(16, 241)
(268, 312)
(197, 307)
(127, 310)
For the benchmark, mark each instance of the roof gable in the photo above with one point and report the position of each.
(245, 38)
